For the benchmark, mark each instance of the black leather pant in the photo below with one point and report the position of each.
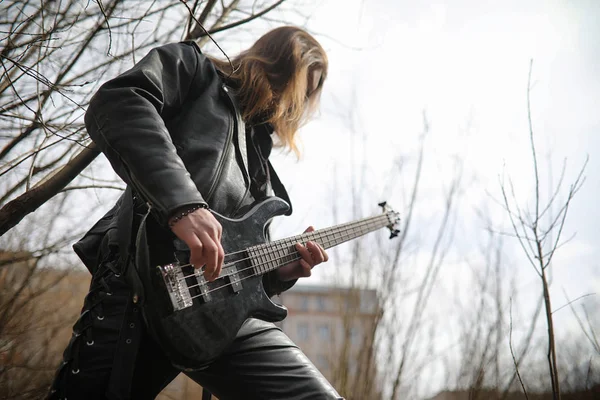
(111, 356)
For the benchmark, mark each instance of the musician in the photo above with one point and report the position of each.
(189, 134)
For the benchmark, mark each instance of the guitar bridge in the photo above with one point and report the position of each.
(176, 285)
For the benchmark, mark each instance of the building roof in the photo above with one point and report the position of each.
(327, 289)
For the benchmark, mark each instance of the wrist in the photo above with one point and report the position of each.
(185, 211)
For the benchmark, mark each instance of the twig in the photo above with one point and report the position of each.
(242, 21)
(512, 353)
(569, 304)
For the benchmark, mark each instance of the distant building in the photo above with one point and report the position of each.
(593, 393)
(334, 328)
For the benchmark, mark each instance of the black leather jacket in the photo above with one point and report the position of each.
(172, 131)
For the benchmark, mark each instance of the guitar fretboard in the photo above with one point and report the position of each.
(270, 256)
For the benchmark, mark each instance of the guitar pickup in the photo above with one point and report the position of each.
(233, 281)
(201, 288)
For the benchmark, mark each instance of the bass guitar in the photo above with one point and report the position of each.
(194, 320)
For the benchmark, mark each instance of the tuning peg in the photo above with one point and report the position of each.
(382, 204)
(394, 233)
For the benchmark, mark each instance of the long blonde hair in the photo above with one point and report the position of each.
(274, 80)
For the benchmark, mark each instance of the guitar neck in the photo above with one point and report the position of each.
(270, 256)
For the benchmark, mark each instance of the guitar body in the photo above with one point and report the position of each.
(194, 320)
(197, 334)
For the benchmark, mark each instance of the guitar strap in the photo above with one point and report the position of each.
(278, 187)
(132, 241)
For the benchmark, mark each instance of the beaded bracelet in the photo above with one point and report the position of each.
(188, 211)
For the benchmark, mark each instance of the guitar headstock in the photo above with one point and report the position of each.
(393, 218)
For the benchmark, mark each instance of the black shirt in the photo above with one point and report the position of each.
(259, 144)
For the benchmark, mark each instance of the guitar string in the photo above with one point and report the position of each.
(291, 241)
(246, 277)
(232, 283)
(372, 229)
(347, 234)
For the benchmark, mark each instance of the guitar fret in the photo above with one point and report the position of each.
(267, 259)
(289, 251)
(270, 256)
(258, 262)
(265, 263)
(278, 252)
(285, 252)
(328, 235)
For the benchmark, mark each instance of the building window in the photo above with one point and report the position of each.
(302, 330)
(304, 303)
(324, 332)
(321, 303)
(352, 368)
(355, 335)
(367, 304)
(322, 363)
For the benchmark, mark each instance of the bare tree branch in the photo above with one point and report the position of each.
(14, 211)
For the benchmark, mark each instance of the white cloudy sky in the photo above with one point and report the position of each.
(466, 64)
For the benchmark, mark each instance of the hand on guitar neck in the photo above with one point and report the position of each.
(201, 232)
(312, 254)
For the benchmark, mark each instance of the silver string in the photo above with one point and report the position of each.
(257, 274)
(359, 223)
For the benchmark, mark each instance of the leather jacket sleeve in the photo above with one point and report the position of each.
(126, 119)
(274, 286)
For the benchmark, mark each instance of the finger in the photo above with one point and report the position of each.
(306, 269)
(323, 252)
(315, 252)
(304, 253)
(220, 258)
(309, 229)
(215, 232)
(210, 253)
(196, 250)
(220, 252)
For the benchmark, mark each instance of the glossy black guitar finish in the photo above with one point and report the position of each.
(196, 335)
(195, 320)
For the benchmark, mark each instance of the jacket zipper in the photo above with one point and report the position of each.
(244, 167)
(217, 177)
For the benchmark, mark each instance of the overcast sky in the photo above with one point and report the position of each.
(466, 64)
